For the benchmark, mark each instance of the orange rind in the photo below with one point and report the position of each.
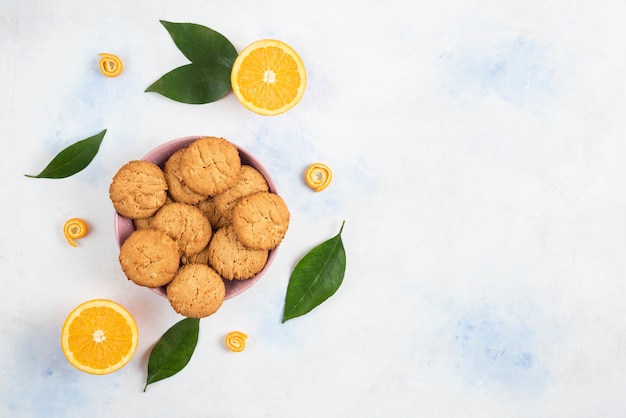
(318, 176)
(110, 65)
(73, 229)
(236, 341)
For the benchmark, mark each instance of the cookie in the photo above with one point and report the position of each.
(185, 224)
(196, 291)
(249, 181)
(177, 189)
(210, 165)
(138, 189)
(200, 258)
(142, 223)
(216, 218)
(149, 257)
(260, 220)
(231, 259)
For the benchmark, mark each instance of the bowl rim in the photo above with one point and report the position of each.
(121, 223)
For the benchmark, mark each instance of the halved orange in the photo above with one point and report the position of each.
(99, 336)
(268, 77)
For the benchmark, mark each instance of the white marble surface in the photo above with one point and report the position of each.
(478, 151)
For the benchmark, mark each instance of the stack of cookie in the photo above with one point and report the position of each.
(201, 219)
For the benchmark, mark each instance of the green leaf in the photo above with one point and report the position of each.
(173, 351)
(316, 277)
(194, 83)
(201, 44)
(72, 159)
(207, 78)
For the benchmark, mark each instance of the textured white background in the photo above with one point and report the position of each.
(478, 153)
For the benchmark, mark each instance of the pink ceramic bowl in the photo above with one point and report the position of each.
(124, 226)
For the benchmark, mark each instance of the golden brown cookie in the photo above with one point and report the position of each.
(196, 291)
(149, 257)
(138, 189)
(231, 259)
(249, 181)
(185, 224)
(210, 165)
(215, 217)
(260, 220)
(142, 223)
(177, 189)
(200, 258)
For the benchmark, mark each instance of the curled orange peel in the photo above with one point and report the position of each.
(236, 341)
(110, 65)
(318, 176)
(75, 228)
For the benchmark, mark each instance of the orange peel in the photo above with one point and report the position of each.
(318, 176)
(236, 341)
(75, 228)
(110, 65)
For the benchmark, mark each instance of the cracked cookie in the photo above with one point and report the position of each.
(149, 257)
(260, 220)
(138, 189)
(196, 291)
(215, 217)
(233, 260)
(210, 165)
(200, 258)
(177, 189)
(186, 225)
(249, 181)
